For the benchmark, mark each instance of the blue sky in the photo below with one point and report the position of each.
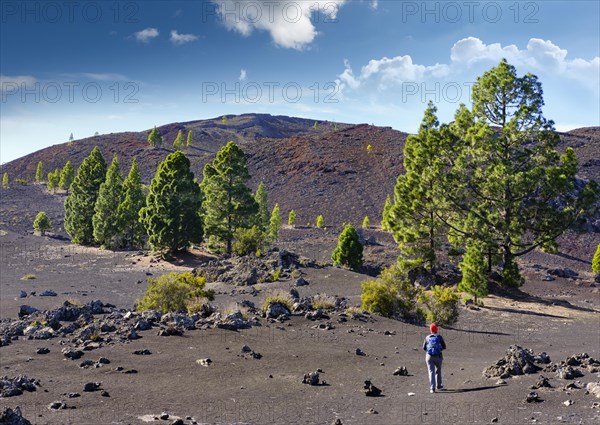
(101, 66)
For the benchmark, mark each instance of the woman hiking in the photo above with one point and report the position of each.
(433, 346)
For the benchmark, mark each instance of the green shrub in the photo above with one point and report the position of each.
(349, 250)
(391, 294)
(596, 261)
(248, 241)
(28, 276)
(441, 305)
(323, 302)
(278, 297)
(42, 223)
(320, 221)
(172, 292)
(276, 274)
(214, 245)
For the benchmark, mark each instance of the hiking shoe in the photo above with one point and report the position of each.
(432, 390)
(440, 387)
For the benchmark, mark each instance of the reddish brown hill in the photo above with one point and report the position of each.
(324, 170)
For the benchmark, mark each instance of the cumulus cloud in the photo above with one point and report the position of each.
(242, 75)
(289, 22)
(374, 4)
(177, 38)
(538, 56)
(146, 35)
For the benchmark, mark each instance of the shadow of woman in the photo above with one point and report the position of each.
(468, 390)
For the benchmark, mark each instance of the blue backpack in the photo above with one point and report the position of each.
(434, 345)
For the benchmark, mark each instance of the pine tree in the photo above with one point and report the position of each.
(52, 180)
(228, 203)
(178, 143)
(105, 218)
(5, 180)
(366, 222)
(154, 138)
(262, 199)
(596, 261)
(190, 138)
(71, 138)
(386, 214)
(474, 275)
(79, 205)
(128, 211)
(349, 250)
(292, 217)
(419, 198)
(39, 173)
(42, 223)
(67, 175)
(320, 221)
(171, 216)
(513, 192)
(275, 223)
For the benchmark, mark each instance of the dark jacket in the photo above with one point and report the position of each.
(442, 342)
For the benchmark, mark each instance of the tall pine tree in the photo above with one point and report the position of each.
(414, 218)
(105, 219)
(128, 212)
(228, 204)
(171, 216)
(53, 180)
(275, 224)
(39, 172)
(513, 191)
(178, 142)
(67, 174)
(386, 213)
(154, 138)
(79, 205)
(349, 250)
(190, 139)
(474, 274)
(262, 199)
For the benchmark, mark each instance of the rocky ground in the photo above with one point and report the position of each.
(78, 355)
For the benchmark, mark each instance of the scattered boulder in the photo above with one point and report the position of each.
(10, 387)
(533, 397)
(275, 310)
(48, 293)
(543, 382)
(71, 353)
(517, 361)
(563, 272)
(300, 282)
(204, 362)
(91, 387)
(568, 372)
(371, 390)
(311, 378)
(13, 417)
(57, 405)
(401, 371)
(360, 352)
(144, 352)
(233, 321)
(42, 350)
(22, 294)
(593, 388)
(26, 310)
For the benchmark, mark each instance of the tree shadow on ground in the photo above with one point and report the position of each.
(516, 294)
(472, 331)
(570, 257)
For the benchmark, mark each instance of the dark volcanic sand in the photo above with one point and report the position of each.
(235, 390)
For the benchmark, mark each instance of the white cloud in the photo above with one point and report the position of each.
(374, 4)
(287, 21)
(11, 83)
(177, 38)
(541, 56)
(104, 76)
(242, 75)
(146, 35)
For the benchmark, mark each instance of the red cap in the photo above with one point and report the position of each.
(433, 328)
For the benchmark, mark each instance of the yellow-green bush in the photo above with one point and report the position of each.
(390, 294)
(441, 304)
(248, 241)
(172, 292)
